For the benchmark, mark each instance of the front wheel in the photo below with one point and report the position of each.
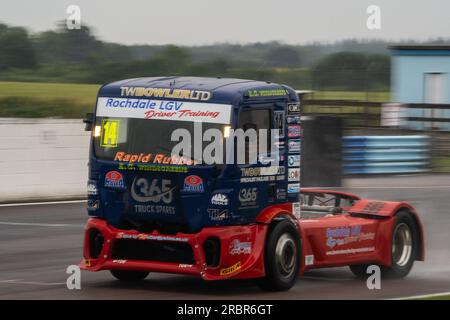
(127, 275)
(405, 241)
(282, 257)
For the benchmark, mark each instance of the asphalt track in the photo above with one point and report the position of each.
(38, 242)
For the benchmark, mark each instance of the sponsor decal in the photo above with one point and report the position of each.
(248, 196)
(345, 235)
(119, 261)
(152, 158)
(294, 160)
(262, 171)
(143, 236)
(263, 179)
(219, 199)
(193, 183)
(293, 120)
(294, 145)
(293, 108)
(152, 168)
(238, 247)
(309, 260)
(218, 214)
(294, 131)
(87, 262)
(294, 174)
(350, 251)
(92, 188)
(296, 210)
(167, 93)
(93, 204)
(184, 265)
(151, 208)
(114, 179)
(156, 191)
(262, 174)
(266, 93)
(164, 110)
(293, 187)
(230, 270)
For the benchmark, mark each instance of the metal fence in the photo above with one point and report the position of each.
(362, 118)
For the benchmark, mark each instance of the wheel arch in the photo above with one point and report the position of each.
(276, 213)
(388, 209)
(272, 215)
(420, 254)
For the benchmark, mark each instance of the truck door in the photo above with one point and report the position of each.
(262, 183)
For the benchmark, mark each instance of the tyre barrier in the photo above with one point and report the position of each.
(385, 154)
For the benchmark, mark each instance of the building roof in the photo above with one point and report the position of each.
(222, 90)
(420, 50)
(420, 47)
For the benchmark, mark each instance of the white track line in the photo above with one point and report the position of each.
(38, 224)
(20, 281)
(423, 296)
(40, 203)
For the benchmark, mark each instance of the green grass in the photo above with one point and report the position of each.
(440, 164)
(30, 99)
(446, 297)
(35, 99)
(383, 96)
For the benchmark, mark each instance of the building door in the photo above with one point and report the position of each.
(434, 92)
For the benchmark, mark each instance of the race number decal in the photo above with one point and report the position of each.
(110, 133)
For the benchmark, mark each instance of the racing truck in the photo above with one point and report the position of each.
(155, 208)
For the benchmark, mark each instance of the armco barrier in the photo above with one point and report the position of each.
(385, 154)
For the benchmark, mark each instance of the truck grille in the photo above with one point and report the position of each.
(131, 249)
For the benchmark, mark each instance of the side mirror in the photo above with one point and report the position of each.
(88, 121)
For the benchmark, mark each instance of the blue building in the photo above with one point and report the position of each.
(421, 74)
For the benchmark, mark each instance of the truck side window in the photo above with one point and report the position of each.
(256, 119)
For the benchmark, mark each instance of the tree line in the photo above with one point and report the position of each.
(77, 56)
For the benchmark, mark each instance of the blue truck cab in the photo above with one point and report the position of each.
(172, 187)
(136, 183)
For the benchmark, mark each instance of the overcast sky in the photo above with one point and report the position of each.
(196, 22)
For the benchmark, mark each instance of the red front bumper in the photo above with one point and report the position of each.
(241, 251)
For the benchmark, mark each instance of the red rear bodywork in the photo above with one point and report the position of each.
(360, 233)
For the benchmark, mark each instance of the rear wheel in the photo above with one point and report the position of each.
(405, 241)
(127, 275)
(282, 257)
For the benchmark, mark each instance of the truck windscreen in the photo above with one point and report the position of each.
(145, 140)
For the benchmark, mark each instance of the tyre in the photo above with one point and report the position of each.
(127, 275)
(405, 245)
(282, 257)
(359, 270)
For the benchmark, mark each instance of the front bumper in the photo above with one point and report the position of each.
(241, 251)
